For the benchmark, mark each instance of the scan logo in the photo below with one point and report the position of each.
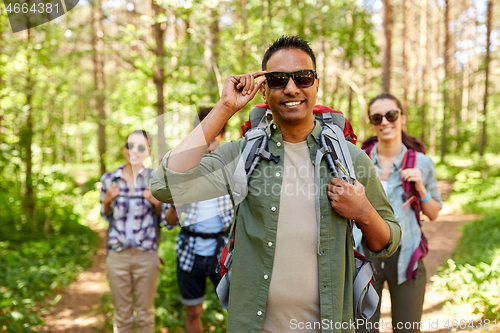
(26, 14)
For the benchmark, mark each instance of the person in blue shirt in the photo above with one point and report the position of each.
(387, 151)
(204, 231)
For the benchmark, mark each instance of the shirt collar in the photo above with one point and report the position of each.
(119, 172)
(398, 162)
(274, 129)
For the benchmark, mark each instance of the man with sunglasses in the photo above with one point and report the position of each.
(281, 280)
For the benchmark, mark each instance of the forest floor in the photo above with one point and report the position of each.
(80, 311)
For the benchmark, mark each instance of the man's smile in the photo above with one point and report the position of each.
(293, 103)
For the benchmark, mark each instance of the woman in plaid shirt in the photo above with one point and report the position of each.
(133, 214)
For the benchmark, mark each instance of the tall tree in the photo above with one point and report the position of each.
(435, 77)
(464, 112)
(386, 46)
(98, 59)
(423, 62)
(30, 202)
(487, 60)
(212, 53)
(158, 32)
(446, 85)
(474, 95)
(407, 26)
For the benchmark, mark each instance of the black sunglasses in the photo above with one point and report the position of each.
(130, 146)
(303, 78)
(391, 116)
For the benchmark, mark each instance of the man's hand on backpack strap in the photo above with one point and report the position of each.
(348, 200)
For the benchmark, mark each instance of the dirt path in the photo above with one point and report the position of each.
(78, 309)
(442, 236)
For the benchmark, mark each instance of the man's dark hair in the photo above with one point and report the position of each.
(146, 135)
(202, 113)
(288, 42)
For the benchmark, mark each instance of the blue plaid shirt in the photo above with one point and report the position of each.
(186, 245)
(145, 222)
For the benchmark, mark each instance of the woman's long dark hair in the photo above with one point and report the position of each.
(408, 140)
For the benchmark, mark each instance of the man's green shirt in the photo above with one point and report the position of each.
(257, 225)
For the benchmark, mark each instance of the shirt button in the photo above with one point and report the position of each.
(270, 243)
(278, 174)
(278, 144)
(274, 126)
(273, 208)
(266, 277)
(259, 313)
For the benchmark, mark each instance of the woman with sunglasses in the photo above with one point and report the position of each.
(388, 150)
(133, 214)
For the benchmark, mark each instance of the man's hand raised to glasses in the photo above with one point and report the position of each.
(238, 90)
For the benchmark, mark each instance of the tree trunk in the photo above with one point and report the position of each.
(2, 82)
(244, 21)
(482, 144)
(349, 108)
(474, 95)
(464, 112)
(135, 22)
(212, 54)
(386, 47)
(321, 61)
(435, 78)
(423, 63)
(159, 78)
(406, 51)
(446, 83)
(98, 60)
(452, 97)
(29, 195)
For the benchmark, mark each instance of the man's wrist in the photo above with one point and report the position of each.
(367, 217)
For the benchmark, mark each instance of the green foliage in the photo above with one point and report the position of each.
(445, 171)
(477, 188)
(56, 195)
(32, 270)
(473, 271)
(37, 257)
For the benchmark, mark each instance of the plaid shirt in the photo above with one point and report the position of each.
(186, 245)
(145, 222)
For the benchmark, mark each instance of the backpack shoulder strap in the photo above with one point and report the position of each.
(254, 150)
(334, 143)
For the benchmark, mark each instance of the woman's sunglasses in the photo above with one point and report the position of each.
(303, 78)
(391, 116)
(130, 146)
